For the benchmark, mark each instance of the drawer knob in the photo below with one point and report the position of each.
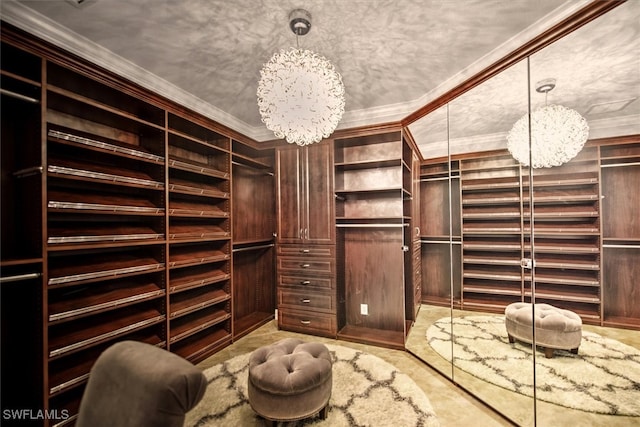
(305, 322)
(304, 251)
(305, 301)
(305, 282)
(305, 265)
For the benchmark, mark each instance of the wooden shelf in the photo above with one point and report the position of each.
(108, 147)
(84, 170)
(198, 346)
(197, 299)
(187, 326)
(190, 278)
(74, 336)
(195, 167)
(197, 254)
(196, 208)
(103, 203)
(183, 186)
(368, 164)
(73, 303)
(383, 338)
(196, 232)
(89, 268)
(71, 372)
(70, 98)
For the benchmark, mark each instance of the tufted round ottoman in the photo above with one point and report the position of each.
(290, 380)
(555, 328)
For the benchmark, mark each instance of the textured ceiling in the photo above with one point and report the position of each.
(597, 73)
(394, 55)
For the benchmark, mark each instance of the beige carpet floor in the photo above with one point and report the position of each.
(366, 390)
(604, 377)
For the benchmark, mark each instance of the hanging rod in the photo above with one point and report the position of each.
(614, 165)
(621, 246)
(372, 225)
(20, 277)
(252, 248)
(444, 178)
(19, 96)
(441, 241)
(22, 173)
(250, 167)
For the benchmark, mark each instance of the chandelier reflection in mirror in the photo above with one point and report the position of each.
(557, 133)
(300, 93)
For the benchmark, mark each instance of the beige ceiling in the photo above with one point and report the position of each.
(394, 55)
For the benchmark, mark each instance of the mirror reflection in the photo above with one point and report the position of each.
(476, 229)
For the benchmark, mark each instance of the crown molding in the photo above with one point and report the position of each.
(50, 31)
(40, 26)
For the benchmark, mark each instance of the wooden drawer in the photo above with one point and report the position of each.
(325, 251)
(307, 322)
(304, 281)
(306, 266)
(307, 299)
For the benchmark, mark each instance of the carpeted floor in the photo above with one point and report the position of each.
(366, 389)
(604, 377)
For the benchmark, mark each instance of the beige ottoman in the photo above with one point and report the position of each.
(555, 328)
(290, 380)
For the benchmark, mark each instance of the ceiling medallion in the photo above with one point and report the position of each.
(300, 93)
(557, 133)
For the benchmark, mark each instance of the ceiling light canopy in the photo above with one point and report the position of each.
(557, 133)
(300, 93)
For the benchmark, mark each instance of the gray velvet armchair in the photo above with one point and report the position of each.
(133, 384)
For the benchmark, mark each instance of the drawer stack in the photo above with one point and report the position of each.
(306, 289)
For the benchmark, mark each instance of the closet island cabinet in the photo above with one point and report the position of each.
(116, 225)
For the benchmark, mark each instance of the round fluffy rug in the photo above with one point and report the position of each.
(367, 391)
(604, 377)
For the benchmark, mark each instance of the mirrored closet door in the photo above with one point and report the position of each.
(566, 235)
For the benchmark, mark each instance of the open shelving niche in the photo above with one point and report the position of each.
(199, 236)
(620, 176)
(21, 248)
(372, 184)
(440, 232)
(253, 237)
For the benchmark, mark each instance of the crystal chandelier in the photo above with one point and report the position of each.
(300, 93)
(557, 133)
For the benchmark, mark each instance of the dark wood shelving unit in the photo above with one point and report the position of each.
(496, 229)
(306, 243)
(440, 233)
(199, 237)
(620, 172)
(373, 188)
(254, 226)
(116, 222)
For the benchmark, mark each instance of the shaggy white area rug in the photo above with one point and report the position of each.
(367, 391)
(604, 377)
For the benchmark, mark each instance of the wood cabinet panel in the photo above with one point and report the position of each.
(372, 282)
(307, 266)
(621, 268)
(305, 195)
(308, 322)
(302, 298)
(289, 195)
(620, 204)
